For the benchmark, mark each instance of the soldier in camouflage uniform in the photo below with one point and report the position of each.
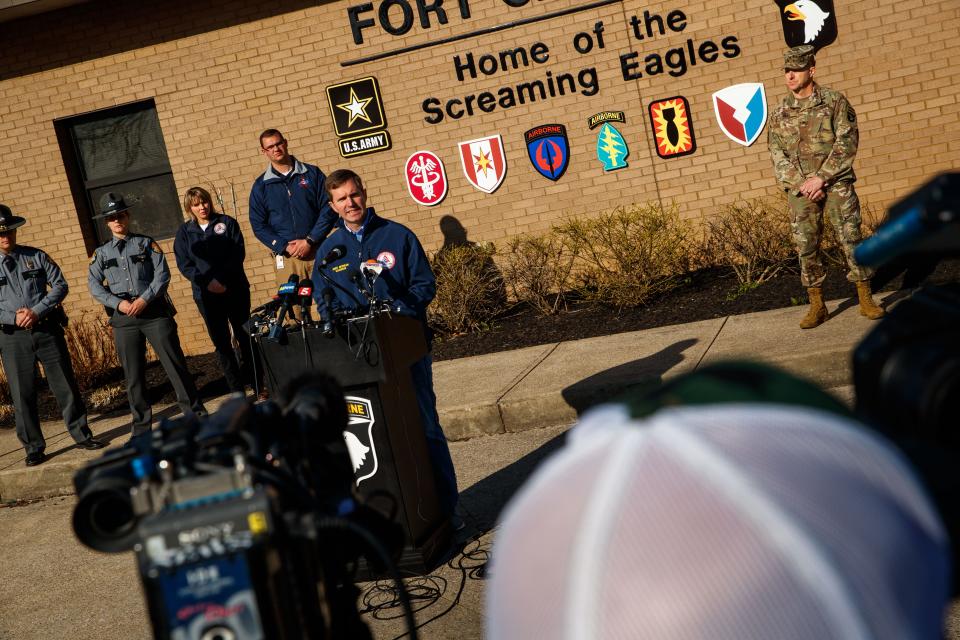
(813, 140)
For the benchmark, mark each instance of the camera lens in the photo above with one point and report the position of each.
(103, 518)
(219, 633)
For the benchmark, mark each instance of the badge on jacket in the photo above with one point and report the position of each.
(220, 228)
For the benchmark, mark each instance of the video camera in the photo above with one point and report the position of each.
(907, 369)
(245, 524)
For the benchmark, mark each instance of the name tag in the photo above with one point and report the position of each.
(3, 280)
(141, 258)
(112, 262)
(33, 274)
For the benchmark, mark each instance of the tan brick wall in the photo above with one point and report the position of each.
(220, 73)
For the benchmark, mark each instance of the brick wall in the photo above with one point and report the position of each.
(221, 73)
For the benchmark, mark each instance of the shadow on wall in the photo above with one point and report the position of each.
(454, 234)
(102, 28)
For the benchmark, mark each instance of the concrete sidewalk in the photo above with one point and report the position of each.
(535, 387)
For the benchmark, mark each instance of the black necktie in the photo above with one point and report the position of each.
(120, 245)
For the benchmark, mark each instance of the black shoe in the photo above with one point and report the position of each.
(91, 444)
(35, 458)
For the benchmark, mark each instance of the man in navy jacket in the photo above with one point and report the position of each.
(289, 209)
(405, 279)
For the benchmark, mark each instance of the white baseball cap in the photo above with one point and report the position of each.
(720, 522)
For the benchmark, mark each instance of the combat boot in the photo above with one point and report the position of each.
(868, 307)
(817, 313)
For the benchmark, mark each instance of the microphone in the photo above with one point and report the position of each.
(286, 292)
(371, 269)
(269, 308)
(335, 254)
(305, 291)
(327, 295)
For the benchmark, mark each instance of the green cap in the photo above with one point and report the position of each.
(799, 58)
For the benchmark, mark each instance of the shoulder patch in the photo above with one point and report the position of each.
(155, 247)
(851, 114)
(93, 256)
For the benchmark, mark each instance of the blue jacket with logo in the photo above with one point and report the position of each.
(406, 279)
(285, 208)
(216, 253)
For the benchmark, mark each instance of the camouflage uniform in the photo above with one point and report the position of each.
(818, 136)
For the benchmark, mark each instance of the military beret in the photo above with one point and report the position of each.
(799, 58)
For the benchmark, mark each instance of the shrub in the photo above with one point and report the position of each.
(625, 256)
(752, 238)
(537, 271)
(470, 289)
(5, 398)
(90, 343)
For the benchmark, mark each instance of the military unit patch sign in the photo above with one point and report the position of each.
(549, 149)
(672, 127)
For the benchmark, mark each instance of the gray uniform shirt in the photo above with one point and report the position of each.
(127, 269)
(23, 283)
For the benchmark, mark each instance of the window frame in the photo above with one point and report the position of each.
(82, 188)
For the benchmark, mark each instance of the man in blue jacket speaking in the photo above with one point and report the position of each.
(405, 279)
(289, 209)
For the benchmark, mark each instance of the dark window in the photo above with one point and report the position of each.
(120, 150)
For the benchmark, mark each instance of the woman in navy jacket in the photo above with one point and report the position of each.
(210, 251)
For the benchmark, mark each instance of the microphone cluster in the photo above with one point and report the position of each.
(270, 318)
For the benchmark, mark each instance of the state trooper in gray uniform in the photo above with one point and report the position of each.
(31, 330)
(129, 276)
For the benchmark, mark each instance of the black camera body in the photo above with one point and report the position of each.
(906, 371)
(244, 524)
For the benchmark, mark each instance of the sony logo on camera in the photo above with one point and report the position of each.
(201, 535)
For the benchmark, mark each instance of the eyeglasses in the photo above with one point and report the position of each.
(275, 145)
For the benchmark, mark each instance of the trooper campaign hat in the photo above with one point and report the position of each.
(111, 204)
(8, 221)
(799, 58)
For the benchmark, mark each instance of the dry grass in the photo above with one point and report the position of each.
(106, 397)
(90, 343)
(752, 238)
(538, 270)
(625, 256)
(470, 289)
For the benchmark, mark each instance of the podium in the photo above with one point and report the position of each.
(370, 358)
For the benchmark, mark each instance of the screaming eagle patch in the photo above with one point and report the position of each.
(359, 438)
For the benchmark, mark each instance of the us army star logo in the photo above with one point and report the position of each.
(356, 106)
